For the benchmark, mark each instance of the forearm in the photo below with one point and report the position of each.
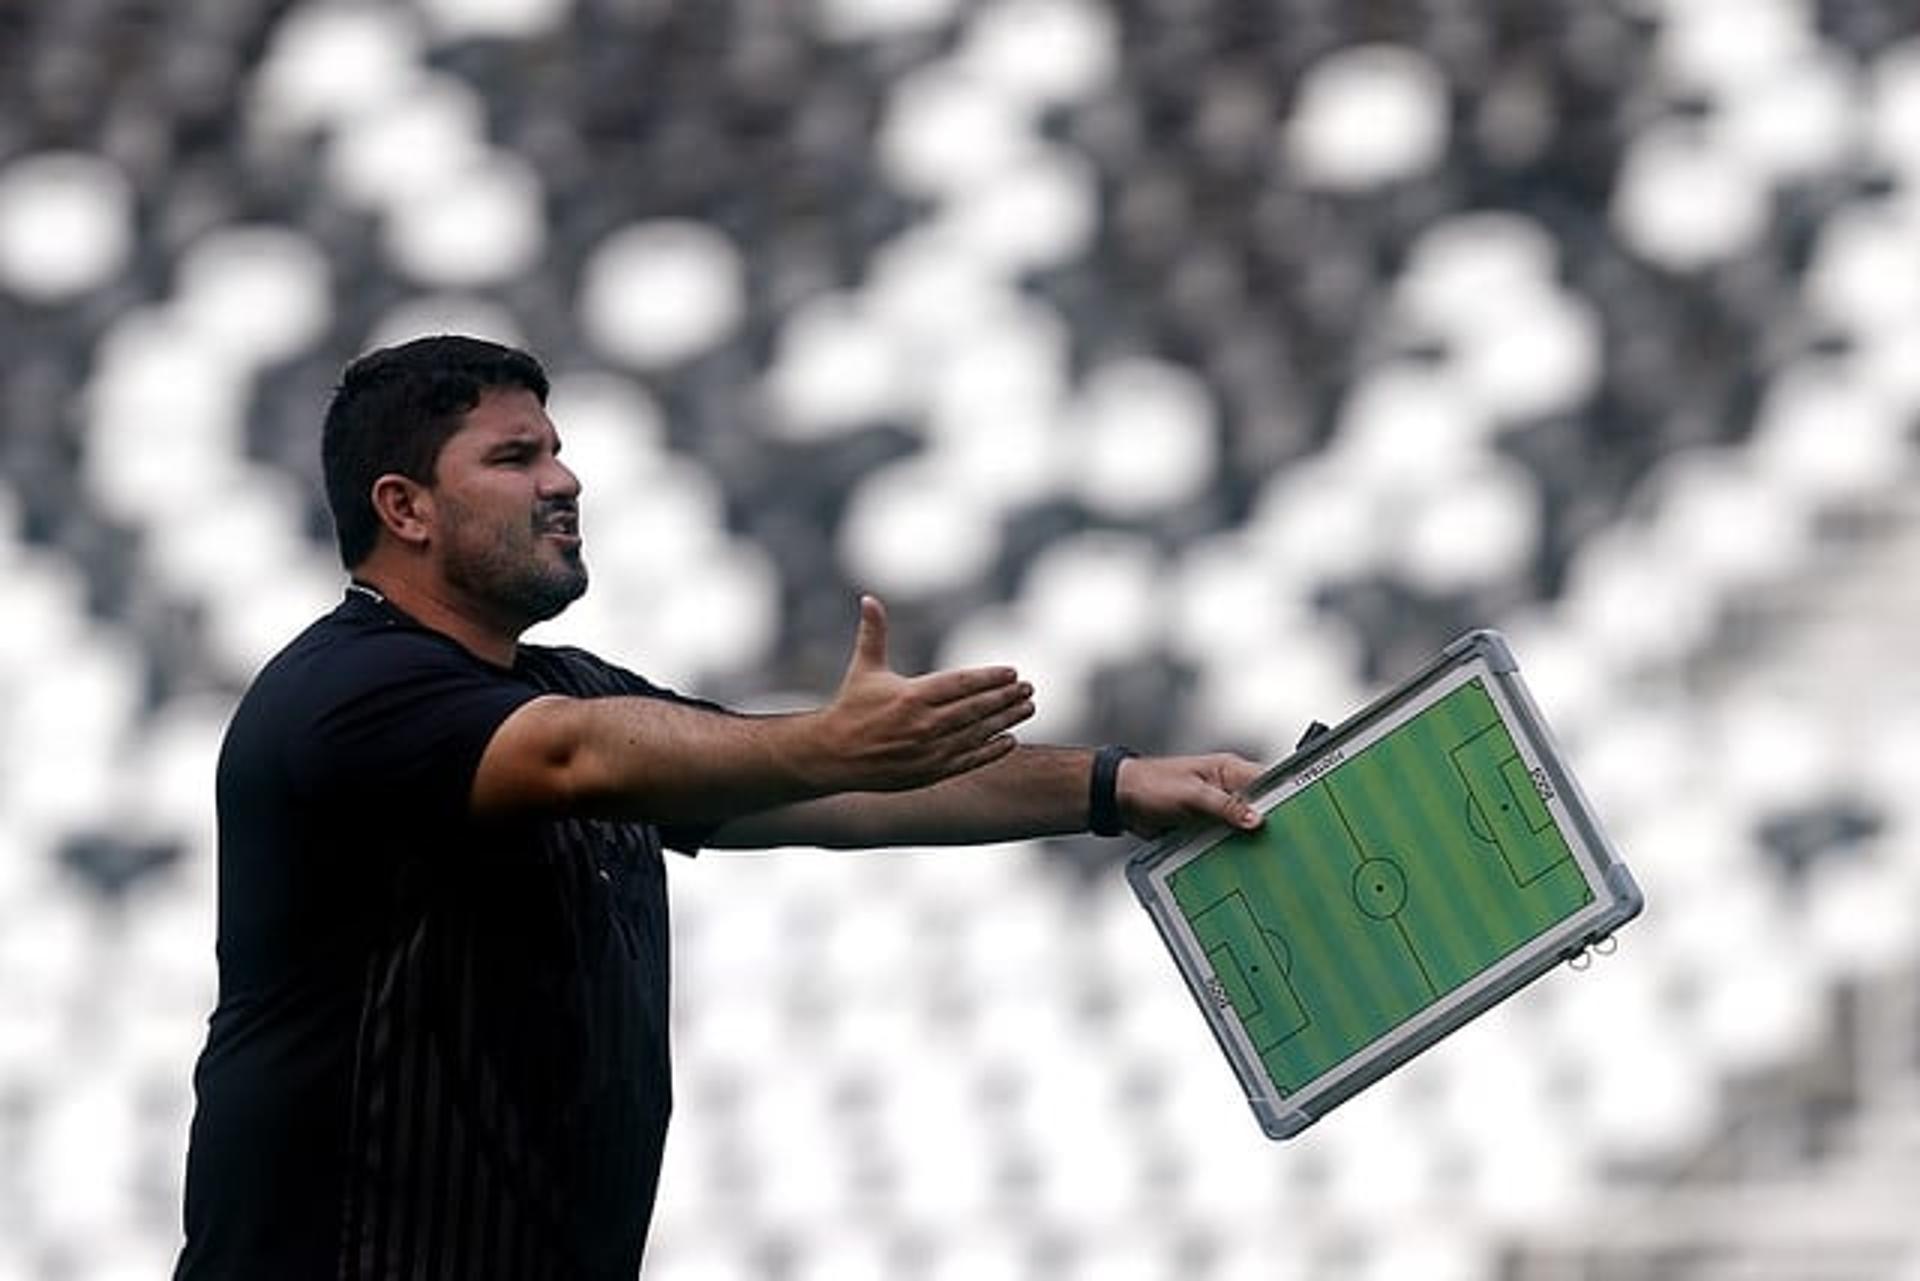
(1034, 791)
(646, 758)
(1031, 792)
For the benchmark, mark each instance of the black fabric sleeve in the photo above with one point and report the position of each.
(403, 726)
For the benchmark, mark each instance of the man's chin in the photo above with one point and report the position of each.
(553, 603)
(545, 597)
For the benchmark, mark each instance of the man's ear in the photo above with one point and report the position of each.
(405, 508)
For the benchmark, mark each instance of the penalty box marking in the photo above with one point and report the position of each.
(1509, 803)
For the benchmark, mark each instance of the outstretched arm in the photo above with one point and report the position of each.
(645, 758)
(1032, 791)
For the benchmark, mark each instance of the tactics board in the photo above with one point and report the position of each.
(1418, 863)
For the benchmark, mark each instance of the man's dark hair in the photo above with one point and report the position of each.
(394, 410)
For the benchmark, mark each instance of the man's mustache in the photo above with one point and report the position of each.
(564, 515)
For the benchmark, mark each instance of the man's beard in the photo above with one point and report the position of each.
(541, 591)
(514, 580)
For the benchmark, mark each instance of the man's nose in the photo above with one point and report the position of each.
(560, 481)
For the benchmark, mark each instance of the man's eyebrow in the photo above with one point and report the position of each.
(523, 437)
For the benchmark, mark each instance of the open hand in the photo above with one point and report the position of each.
(888, 732)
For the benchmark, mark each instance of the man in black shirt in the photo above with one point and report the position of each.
(440, 1047)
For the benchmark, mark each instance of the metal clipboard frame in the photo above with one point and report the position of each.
(1484, 656)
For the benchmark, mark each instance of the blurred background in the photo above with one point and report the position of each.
(1214, 361)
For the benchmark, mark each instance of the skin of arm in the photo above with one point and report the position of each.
(644, 758)
(1031, 792)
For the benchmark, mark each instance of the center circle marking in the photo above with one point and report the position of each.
(1380, 888)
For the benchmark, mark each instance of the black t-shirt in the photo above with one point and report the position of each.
(440, 1047)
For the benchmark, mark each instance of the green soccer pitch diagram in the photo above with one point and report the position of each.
(1381, 886)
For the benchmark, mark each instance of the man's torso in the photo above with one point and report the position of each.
(441, 1045)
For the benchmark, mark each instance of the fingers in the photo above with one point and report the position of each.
(885, 732)
(1232, 810)
(939, 688)
(985, 754)
(1002, 705)
(977, 733)
(933, 689)
(1237, 773)
(1157, 795)
(1225, 778)
(1220, 807)
(1221, 780)
(972, 732)
(892, 731)
(870, 637)
(1016, 710)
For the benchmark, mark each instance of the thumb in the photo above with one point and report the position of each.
(870, 639)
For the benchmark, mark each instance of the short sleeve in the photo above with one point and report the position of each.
(403, 726)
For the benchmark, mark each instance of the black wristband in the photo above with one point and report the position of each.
(1103, 805)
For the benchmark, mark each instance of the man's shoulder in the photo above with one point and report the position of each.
(352, 648)
(569, 669)
(580, 673)
(354, 634)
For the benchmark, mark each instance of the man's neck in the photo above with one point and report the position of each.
(434, 606)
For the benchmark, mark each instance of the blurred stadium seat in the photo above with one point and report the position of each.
(1213, 363)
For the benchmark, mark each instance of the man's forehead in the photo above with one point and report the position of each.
(508, 413)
